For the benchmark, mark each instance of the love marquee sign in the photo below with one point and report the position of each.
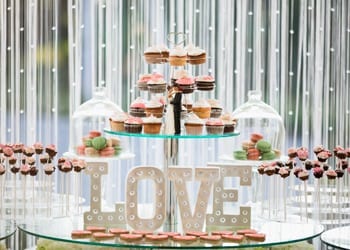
(212, 193)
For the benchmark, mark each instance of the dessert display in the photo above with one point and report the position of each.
(256, 149)
(96, 145)
(179, 114)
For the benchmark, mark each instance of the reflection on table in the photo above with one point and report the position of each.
(337, 237)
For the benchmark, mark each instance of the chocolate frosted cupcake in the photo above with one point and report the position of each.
(133, 125)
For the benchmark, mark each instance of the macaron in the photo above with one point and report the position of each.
(240, 155)
(255, 137)
(263, 146)
(268, 156)
(107, 152)
(99, 142)
(253, 154)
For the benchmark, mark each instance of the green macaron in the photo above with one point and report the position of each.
(99, 142)
(263, 146)
(240, 155)
(267, 156)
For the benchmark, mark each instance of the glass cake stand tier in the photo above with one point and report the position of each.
(277, 233)
(337, 237)
(7, 229)
(167, 136)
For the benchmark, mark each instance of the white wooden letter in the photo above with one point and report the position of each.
(132, 217)
(221, 195)
(180, 175)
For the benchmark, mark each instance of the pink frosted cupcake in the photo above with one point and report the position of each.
(186, 84)
(180, 73)
(142, 81)
(205, 83)
(214, 126)
(137, 108)
(156, 84)
(133, 125)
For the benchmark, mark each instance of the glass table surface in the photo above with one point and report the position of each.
(168, 136)
(7, 229)
(337, 237)
(277, 233)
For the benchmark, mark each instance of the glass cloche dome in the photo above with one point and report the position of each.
(257, 120)
(92, 115)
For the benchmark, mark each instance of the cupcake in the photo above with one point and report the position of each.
(152, 125)
(216, 108)
(177, 56)
(116, 121)
(155, 108)
(193, 124)
(142, 81)
(195, 55)
(214, 126)
(205, 83)
(180, 73)
(133, 125)
(202, 109)
(229, 123)
(137, 108)
(186, 84)
(156, 84)
(156, 54)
